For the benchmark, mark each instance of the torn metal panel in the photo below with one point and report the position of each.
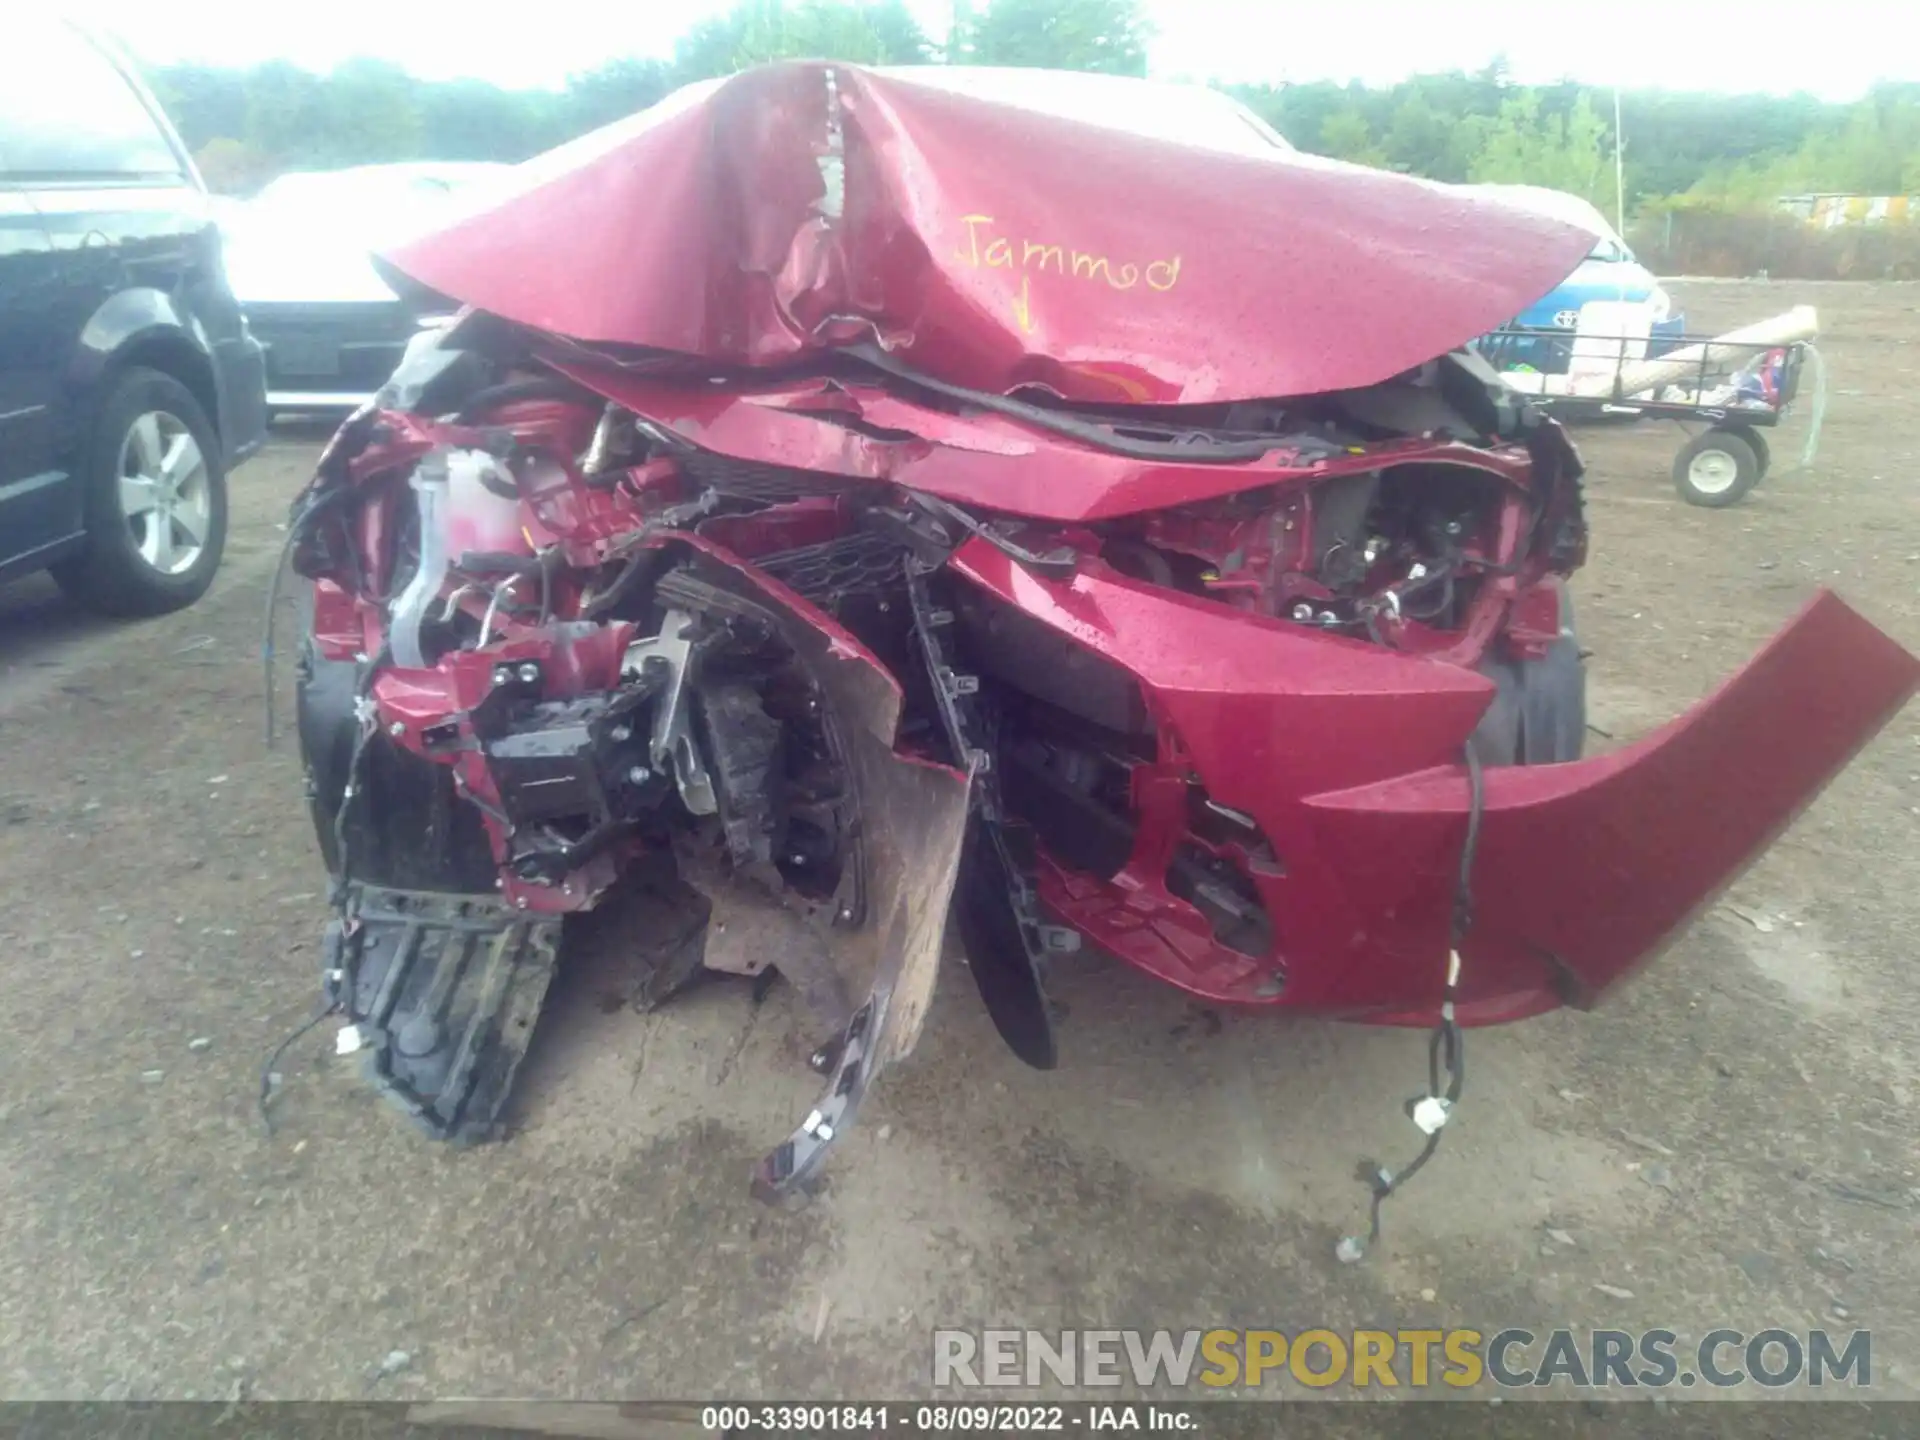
(1589, 870)
(913, 817)
(980, 459)
(800, 207)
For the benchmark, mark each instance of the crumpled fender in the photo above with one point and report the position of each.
(1345, 755)
(1586, 871)
(913, 816)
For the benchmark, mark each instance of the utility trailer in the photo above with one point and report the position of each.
(1726, 391)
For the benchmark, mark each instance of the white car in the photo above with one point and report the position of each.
(299, 258)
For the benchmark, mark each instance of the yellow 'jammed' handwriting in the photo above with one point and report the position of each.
(986, 250)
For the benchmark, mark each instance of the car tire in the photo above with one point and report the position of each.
(1553, 696)
(1538, 714)
(154, 498)
(1716, 469)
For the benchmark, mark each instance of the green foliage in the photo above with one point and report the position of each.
(600, 97)
(902, 41)
(474, 120)
(1105, 36)
(369, 114)
(1432, 125)
(1742, 151)
(1872, 148)
(810, 31)
(1529, 145)
(250, 124)
(286, 108)
(1344, 136)
(202, 101)
(232, 166)
(1676, 138)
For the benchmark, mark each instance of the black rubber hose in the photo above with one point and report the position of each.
(636, 572)
(546, 387)
(1463, 885)
(1084, 431)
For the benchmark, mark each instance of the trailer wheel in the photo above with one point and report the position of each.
(1761, 449)
(1717, 469)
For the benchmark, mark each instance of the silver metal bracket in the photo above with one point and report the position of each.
(672, 741)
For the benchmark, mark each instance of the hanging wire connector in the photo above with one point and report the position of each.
(1446, 1047)
(1818, 418)
(270, 1071)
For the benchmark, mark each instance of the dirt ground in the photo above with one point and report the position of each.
(1726, 1143)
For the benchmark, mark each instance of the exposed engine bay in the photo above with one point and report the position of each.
(556, 648)
(1276, 699)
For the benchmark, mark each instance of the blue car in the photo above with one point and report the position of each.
(1609, 273)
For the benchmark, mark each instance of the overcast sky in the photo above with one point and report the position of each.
(1835, 48)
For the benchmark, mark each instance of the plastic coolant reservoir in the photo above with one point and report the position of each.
(480, 519)
(431, 484)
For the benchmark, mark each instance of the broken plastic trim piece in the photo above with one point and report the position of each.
(1057, 563)
(442, 991)
(998, 914)
(912, 822)
(798, 1156)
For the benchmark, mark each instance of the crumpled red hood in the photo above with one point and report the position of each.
(800, 206)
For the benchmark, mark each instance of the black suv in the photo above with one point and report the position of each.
(129, 385)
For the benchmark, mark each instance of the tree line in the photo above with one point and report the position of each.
(245, 125)
(1682, 150)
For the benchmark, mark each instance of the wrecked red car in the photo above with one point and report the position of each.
(849, 499)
